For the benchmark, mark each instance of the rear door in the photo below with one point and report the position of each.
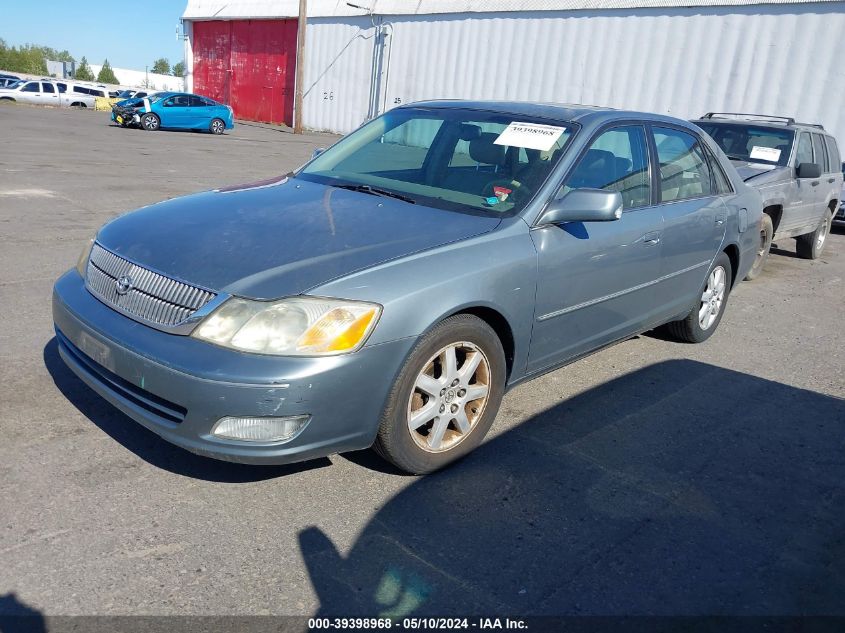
(49, 94)
(199, 113)
(596, 280)
(693, 213)
(799, 216)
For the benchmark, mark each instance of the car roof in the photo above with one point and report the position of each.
(584, 114)
(763, 123)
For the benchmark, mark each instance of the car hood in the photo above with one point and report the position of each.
(748, 170)
(279, 238)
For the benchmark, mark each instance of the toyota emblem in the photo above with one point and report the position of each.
(123, 284)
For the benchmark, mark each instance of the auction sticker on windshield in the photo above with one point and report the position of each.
(530, 136)
(765, 153)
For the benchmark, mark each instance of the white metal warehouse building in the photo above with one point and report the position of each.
(671, 56)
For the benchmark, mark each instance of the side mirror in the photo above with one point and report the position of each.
(317, 152)
(584, 205)
(809, 170)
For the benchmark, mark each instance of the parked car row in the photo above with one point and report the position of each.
(388, 292)
(52, 92)
(173, 110)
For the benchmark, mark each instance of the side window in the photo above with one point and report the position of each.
(197, 102)
(62, 88)
(832, 154)
(721, 183)
(804, 154)
(616, 161)
(32, 86)
(170, 102)
(684, 172)
(45, 87)
(820, 154)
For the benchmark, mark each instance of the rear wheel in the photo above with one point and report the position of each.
(150, 122)
(705, 317)
(445, 398)
(810, 246)
(766, 233)
(217, 126)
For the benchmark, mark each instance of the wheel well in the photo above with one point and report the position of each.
(500, 325)
(774, 211)
(834, 204)
(6, 99)
(733, 254)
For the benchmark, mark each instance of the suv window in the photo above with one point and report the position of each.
(805, 150)
(48, 88)
(80, 90)
(616, 161)
(196, 102)
(32, 86)
(684, 172)
(832, 153)
(820, 153)
(62, 87)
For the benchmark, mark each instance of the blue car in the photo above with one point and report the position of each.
(388, 292)
(174, 110)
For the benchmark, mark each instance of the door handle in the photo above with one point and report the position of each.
(651, 239)
(720, 219)
(831, 180)
(815, 183)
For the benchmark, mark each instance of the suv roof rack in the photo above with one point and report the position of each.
(786, 120)
(818, 125)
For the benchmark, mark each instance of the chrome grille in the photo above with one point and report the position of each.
(151, 297)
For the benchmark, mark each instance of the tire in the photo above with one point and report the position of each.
(150, 122)
(767, 231)
(811, 245)
(6, 100)
(442, 434)
(217, 126)
(698, 325)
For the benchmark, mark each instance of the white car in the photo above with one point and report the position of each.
(54, 93)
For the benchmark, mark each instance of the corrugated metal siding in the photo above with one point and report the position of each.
(776, 59)
(226, 9)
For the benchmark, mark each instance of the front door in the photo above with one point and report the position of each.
(596, 279)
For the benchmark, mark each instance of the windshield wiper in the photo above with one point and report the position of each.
(735, 157)
(375, 191)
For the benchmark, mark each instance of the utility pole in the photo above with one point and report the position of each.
(300, 66)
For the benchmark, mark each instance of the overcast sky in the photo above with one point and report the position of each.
(130, 35)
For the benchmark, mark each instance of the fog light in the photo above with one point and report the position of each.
(260, 429)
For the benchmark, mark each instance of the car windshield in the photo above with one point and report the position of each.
(449, 158)
(756, 144)
(125, 94)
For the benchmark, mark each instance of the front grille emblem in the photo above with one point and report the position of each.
(123, 284)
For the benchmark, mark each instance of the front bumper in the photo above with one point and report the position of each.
(178, 387)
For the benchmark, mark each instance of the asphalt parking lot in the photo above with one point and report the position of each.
(650, 478)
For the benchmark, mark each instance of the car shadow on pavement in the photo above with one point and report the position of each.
(678, 489)
(149, 446)
(18, 617)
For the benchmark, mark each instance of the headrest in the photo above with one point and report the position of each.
(484, 150)
(598, 159)
(469, 132)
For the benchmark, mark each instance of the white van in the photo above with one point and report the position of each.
(56, 93)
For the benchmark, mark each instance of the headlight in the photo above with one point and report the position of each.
(300, 326)
(82, 264)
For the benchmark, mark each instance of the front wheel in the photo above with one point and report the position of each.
(217, 126)
(150, 122)
(810, 246)
(767, 231)
(704, 318)
(445, 398)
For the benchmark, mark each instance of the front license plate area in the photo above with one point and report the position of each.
(96, 351)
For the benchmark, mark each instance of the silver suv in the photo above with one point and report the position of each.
(796, 168)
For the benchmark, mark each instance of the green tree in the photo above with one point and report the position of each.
(179, 69)
(106, 74)
(83, 71)
(161, 66)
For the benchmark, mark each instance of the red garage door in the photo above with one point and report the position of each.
(248, 64)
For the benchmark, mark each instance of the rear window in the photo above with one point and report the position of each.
(820, 153)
